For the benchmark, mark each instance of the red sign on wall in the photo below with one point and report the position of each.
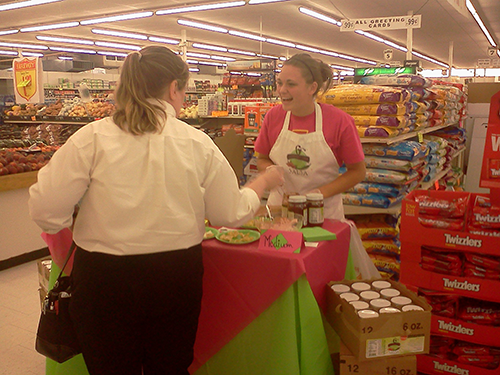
(490, 171)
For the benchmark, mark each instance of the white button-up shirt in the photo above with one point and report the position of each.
(139, 194)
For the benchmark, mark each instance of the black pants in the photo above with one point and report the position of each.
(137, 314)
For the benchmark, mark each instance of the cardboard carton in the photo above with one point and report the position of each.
(404, 333)
(439, 366)
(345, 363)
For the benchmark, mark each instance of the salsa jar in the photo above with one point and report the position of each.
(315, 209)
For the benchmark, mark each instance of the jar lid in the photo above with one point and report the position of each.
(340, 288)
(349, 297)
(366, 314)
(389, 310)
(359, 305)
(297, 198)
(314, 196)
(360, 286)
(369, 294)
(379, 303)
(412, 308)
(400, 300)
(381, 284)
(390, 292)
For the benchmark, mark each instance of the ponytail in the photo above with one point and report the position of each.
(146, 75)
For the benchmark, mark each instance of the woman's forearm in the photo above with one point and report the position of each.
(355, 173)
(263, 162)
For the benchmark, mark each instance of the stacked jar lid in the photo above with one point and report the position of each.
(372, 298)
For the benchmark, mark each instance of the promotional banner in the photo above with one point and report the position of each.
(28, 80)
(490, 171)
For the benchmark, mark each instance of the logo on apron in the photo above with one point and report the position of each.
(298, 159)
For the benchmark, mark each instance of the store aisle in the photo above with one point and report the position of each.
(19, 315)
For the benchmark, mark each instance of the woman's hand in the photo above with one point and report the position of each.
(275, 176)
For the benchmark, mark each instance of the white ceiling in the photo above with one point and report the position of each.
(442, 26)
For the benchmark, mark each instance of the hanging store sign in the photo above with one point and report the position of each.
(388, 54)
(382, 23)
(492, 51)
(28, 80)
(460, 5)
(376, 71)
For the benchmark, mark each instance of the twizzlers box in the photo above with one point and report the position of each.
(435, 365)
(414, 235)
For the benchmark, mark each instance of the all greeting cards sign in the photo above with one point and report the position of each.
(28, 80)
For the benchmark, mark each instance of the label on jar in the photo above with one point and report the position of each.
(315, 209)
(297, 204)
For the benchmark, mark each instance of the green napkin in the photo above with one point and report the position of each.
(314, 234)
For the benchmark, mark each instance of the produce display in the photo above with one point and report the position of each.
(189, 112)
(67, 107)
(18, 160)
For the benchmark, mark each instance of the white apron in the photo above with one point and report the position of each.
(308, 162)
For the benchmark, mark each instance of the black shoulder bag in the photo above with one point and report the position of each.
(56, 337)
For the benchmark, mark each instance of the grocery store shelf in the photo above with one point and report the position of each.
(428, 184)
(364, 210)
(402, 137)
(229, 117)
(17, 180)
(459, 152)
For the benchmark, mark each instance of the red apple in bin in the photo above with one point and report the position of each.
(3, 171)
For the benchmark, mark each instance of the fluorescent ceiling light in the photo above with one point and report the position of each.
(280, 42)
(207, 46)
(109, 53)
(199, 55)
(7, 32)
(65, 58)
(307, 48)
(32, 54)
(479, 21)
(22, 45)
(10, 53)
(196, 8)
(370, 35)
(223, 58)
(253, 74)
(394, 45)
(120, 34)
(320, 16)
(268, 56)
(256, 2)
(340, 67)
(122, 17)
(194, 69)
(247, 35)
(240, 52)
(73, 50)
(50, 27)
(211, 63)
(191, 61)
(64, 40)
(23, 4)
(204, 26)
(163, 40)
(118, 45)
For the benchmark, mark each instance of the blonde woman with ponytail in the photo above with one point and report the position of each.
(145, 182)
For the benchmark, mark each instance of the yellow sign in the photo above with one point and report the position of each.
(26, 78)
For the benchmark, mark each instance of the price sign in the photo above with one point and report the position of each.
(27, 80)
(492, 51)
(290, 242)
(382, 23)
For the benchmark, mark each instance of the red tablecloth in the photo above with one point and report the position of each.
(240, 282)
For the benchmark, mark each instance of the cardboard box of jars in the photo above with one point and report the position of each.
(378, 318)
(345, 363)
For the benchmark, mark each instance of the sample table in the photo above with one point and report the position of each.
(261, 309)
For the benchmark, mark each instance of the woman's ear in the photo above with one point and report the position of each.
(173, 89)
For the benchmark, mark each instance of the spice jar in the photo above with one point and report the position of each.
(315, 206)
(298, 204)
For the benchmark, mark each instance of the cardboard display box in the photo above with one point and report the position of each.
(411, 273)
(465, 331)
(414, 233)
(434, 365)
(404, 333)
(345, 363)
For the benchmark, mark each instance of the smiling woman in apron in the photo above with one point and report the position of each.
(310, 140)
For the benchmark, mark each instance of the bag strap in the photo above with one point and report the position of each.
(70, 252)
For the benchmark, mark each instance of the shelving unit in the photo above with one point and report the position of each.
(396, 209)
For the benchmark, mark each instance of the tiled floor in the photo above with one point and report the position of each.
(19, 315)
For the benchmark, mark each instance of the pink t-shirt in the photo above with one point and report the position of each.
(338, 128)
